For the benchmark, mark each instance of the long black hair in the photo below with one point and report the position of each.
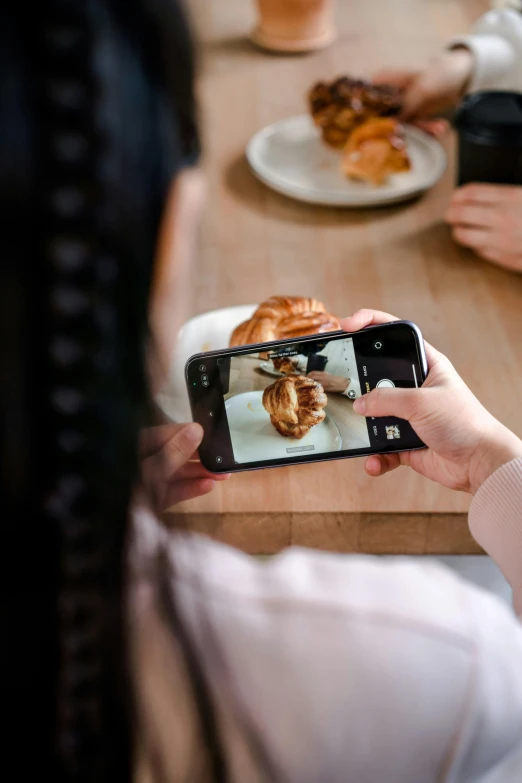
(97, 115)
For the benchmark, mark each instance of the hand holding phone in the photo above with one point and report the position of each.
(170, 468)
(465, 443)
(297, 405)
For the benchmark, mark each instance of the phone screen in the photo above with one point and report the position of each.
(293, 401)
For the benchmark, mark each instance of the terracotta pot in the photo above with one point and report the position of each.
(294, 25)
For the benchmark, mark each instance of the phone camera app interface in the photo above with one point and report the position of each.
(293, 402)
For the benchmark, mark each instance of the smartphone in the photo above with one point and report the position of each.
(226, 392)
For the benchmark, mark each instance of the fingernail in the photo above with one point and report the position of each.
(359, 405)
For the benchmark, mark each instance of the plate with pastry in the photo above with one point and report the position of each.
(279, 367)
(287, 417)
(351, 150)
(275, 318)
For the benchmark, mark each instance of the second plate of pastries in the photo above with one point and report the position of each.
(349, 151)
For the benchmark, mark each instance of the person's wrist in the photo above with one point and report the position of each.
(497, 448)
(461, 64)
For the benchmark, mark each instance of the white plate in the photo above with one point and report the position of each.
(208, 332)
(255, 438)
(291, 157)
(268, 367)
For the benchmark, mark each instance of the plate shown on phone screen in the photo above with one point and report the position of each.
(268, 367)
(291, 158)
(255, 438)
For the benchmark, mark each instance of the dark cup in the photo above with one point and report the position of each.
(224, 374)
(489, 126)
(316, 363)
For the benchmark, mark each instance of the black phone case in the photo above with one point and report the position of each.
(262, 347)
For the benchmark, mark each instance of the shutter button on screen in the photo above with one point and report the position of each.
(385, 384)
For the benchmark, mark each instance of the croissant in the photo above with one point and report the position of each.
(338, 107)
(281, 317)
(295, 404)
(375, 150)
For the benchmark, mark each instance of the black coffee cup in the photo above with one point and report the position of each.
(489, 126)
(316, 363)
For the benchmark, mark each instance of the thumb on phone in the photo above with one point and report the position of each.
(401, 403)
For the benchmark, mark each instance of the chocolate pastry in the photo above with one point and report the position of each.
(295, 404)
(340, 106)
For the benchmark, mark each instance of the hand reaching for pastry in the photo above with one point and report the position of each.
(335, 384)
(171, 469)
(434, 89)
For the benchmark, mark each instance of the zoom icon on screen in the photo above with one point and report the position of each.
(377, 345)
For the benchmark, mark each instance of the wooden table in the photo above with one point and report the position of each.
(256, 243)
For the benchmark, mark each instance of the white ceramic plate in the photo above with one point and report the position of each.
(255, 438)
(268, 367)
(291, 157)
(208, 332)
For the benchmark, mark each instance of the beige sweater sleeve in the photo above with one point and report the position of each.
(495, 520)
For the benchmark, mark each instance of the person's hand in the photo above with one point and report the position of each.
(488, 219)
(465, 443)
(171, 470)
(433, 90)
(330, 383)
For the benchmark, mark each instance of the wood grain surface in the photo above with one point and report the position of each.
(255, 243)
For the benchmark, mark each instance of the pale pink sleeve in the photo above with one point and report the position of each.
(495, 520)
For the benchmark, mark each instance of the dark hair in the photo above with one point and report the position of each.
(98, 115)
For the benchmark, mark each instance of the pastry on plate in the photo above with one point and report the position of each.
(283, 364)
(340, 106)
(281, 317)
(375, 150)
(295, 404)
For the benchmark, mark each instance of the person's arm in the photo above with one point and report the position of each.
(495, 42)
(495, 520)
(468, 450)
(330, 381)
(489, 57)
(335, 384)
